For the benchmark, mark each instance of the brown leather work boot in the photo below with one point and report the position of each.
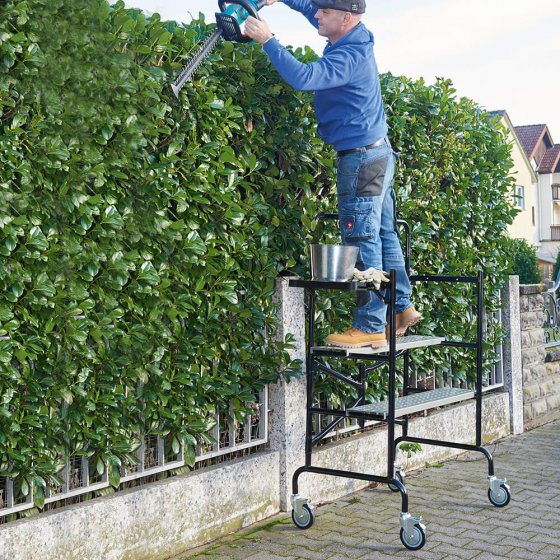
(354, 338)
(405, 319)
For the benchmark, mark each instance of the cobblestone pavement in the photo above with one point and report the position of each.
(451, 498)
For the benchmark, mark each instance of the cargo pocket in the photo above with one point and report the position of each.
(371, 177)
(356, 225)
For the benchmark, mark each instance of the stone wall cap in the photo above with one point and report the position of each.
(528, 289)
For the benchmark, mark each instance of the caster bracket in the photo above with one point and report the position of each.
(408, 522)
(495, 483)
(298, 502)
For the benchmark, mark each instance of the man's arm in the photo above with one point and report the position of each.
(328, 72)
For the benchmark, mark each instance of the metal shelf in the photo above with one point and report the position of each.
(415, 403)
(349, 286)
(403, 343)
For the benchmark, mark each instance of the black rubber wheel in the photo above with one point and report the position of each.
(305, 520)
(393, 487)
(500, 498)
(414, 540)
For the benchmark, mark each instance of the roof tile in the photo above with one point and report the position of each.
(529, 136)
(551, 160)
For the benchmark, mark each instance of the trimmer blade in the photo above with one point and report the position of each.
(195, 62)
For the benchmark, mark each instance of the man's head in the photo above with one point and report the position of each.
(338, 17)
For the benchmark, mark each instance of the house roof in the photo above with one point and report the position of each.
(529, 136)
(550, 160)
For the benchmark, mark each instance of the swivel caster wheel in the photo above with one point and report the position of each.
(305, 519)
(415, 539)
(499, 492)
(302, 512)
(399, 475)
(413, 532)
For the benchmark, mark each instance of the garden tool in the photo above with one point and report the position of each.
(232, 14)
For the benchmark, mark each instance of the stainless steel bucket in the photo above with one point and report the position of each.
(332, 263)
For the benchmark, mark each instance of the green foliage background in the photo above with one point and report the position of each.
(140, 237)
(524, 262)
(556, 267)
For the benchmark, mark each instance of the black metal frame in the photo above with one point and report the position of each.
(389, 357)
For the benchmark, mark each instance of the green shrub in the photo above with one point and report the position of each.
(140, 237)
(556, 267)
(524, 261)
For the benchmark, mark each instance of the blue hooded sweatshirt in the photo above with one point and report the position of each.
(345, 80)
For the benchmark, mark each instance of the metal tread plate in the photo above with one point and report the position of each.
(403, 343)
(416, 402)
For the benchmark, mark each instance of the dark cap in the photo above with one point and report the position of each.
(353, 6)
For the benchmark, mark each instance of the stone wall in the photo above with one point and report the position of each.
(541, 366)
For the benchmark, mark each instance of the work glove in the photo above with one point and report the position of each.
(371, 276)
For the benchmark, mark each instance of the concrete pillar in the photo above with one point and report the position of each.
(287, 400)
(513, 370)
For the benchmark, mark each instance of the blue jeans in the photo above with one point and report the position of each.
(367, 218)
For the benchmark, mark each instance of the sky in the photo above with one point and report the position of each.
(503, 54)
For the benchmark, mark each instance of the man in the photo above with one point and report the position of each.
(351, 117)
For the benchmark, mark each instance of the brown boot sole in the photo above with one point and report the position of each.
(374, 344)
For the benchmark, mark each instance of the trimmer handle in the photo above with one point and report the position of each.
(230, 19)
(249, 6)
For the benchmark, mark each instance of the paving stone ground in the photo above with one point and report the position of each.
(452, 499)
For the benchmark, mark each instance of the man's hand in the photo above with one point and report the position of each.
(270, 2)
(257, 29)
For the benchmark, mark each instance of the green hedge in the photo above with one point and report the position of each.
(141, 237)
(524, 262)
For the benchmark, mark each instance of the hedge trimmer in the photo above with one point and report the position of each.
(232, 14)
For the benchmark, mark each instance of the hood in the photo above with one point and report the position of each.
(360, 35)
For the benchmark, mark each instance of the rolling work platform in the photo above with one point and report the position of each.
(394, 410)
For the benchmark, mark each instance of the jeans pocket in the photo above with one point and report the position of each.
(355, 225)
(349, 164)
(347, 173)
(371, 177)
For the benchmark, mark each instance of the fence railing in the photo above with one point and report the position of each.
(154, 456)
(552, 314)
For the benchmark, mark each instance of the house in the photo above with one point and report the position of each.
(544, 157)
(525, 193)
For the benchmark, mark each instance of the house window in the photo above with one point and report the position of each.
(520, 197)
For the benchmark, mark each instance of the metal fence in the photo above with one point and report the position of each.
(552, 314)
(80, 476)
